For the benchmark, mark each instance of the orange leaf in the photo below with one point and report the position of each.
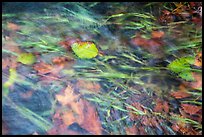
(68, 96)
(42, 68)
(191, 109)
(198, 80)
(68, 118)
(180, 94)
(13, 26)
(61, 60)
(91, 120)
(139, 41)
(157, 34)
(90, 86)
(198, 60)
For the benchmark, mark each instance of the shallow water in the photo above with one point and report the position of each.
(125, 89)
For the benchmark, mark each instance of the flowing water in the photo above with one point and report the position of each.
(125, 89)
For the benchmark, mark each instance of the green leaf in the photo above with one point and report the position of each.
(12, 77)
(181, 64)
(85, 50)
(187, 75)
(26, 58)
(182, 67)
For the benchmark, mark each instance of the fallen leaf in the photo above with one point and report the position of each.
(9, 62)
(180, 94)
(175, 127)
(68, 42)
(85, 50)
(138, 106)
(145, 121)
(131, 130)
(11, 46)
(61, 60)
(91, 120)
(191, 109)
(157, 34)
(142, 130)
(198, 80)
(159, 106)
(166, 107)
(13, 26)
(153, 122)
(198, 60)
(90, 86)
(42, 68)
(68, 118)
(26, 58)
(68, 96)
(139, 41)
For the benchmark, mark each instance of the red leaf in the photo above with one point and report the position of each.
(191, 109)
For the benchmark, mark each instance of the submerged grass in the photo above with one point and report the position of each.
(32, 35)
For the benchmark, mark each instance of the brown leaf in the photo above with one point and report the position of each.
(157, 34)
(68, 42)
(142, 130)
(13, 26)
(154, 122)
(175, 127)
(180, 94)
(68, 96)
(138, 106)
(145, 121)
(198, 80)
(159, 106)
(91, 120)
(191, 109)
(43, 68)
(68, 118)
(198, 60)
(139, 41)
(166, 107)
(131, 130)
(90, 86)
(10, 45)
(9, 62)
(61, 60)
